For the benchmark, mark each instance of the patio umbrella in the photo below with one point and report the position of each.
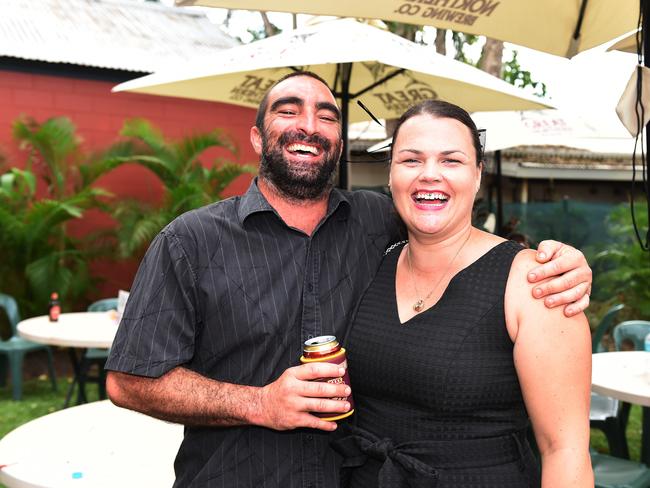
(560, 27)
(626, 44)
(511, 128)
(507, 129)
(386, 72)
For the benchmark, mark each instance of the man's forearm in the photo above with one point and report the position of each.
(186, 397)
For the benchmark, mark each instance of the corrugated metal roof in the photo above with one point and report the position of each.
(561, 155)
(116, 34)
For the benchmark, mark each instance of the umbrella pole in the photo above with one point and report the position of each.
(645, 29)
(346, 71)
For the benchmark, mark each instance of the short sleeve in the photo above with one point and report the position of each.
(159, 325)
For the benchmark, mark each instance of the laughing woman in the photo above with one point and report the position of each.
(450, 357)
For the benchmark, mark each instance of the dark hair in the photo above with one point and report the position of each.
(261, 110)
(440, 109)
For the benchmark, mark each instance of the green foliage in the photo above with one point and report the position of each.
(268, 29)
(513, 74)
(257, 34)
(187, 183)
(57, 186)
(407, 31)
(460, 41)
(623, 270)
(36, 204)
(38, 400)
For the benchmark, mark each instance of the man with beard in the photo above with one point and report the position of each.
(227, 294)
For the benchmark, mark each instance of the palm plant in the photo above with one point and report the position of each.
(623, 270)
(187, 182)
(36, 203)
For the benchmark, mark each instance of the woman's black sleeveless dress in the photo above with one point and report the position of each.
(438, 402)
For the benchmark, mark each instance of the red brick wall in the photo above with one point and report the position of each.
(98, 115)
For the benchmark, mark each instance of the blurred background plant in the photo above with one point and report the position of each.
(57, 184)
(37, 202)
(187, 182)
(622, 271)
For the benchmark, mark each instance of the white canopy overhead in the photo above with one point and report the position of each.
(387, 72)
(561, 27)
(549, 128)
(506, 129)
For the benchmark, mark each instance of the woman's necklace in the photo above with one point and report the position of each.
(418, 306)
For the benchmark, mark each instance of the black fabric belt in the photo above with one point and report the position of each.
(414, 464)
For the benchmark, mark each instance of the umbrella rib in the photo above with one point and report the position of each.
(581, 16)
(377, 83)
(367, 110)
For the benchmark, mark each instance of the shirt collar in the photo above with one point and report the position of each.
(253, 202)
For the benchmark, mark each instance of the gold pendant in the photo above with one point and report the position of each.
(418, 306)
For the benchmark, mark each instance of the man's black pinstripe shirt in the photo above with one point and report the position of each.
(231, 292)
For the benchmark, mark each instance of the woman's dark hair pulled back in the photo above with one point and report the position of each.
(440, 109)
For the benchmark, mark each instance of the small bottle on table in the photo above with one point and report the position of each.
(54, 307)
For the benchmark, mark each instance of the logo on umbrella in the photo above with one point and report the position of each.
(251, 89)
(462, 12)
(398, 101)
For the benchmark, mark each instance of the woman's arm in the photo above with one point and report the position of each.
(552, 356)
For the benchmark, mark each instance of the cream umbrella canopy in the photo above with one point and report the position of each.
(626, 44)
(550, 127)
(360, 62)
(560, 27)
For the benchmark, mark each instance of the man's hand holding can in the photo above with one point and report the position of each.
(326, 349)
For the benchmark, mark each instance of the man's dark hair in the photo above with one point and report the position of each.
(442, 110)
(261, 110)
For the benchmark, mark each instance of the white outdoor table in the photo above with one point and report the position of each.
(626, 376)
(79, 330)
(93, 445)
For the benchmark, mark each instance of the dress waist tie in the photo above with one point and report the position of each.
(417, 464)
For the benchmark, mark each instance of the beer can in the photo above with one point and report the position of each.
(327, 349)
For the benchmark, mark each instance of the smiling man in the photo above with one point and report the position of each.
(227, 294)
(299, 142)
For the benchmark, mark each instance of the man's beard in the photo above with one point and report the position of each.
(299, 180)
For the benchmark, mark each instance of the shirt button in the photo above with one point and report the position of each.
(310, 287)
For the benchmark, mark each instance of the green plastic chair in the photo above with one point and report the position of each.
(13, 350)
(631, 332)
(613, 472)
(103, 305)
(94, 356)
(603, 327)
(606, 413)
